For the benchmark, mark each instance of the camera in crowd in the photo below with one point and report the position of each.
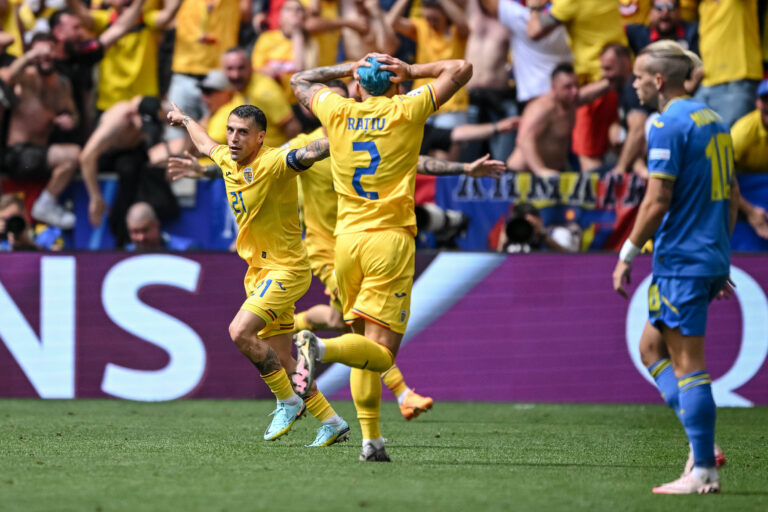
(152, 121)
(446, 225)
(14, 225)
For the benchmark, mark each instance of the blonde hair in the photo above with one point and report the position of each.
(670, 60)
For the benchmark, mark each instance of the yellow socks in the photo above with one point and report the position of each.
(300, 322)
(319, 407)
(358, 352)
(366, 393)
(394, 380)
(279, 384)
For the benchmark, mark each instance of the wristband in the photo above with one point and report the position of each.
(628, 251)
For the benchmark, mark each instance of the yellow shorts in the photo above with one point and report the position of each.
(272, 295)
(374, 270)
(321, 251)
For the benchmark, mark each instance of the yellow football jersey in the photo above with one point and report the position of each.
(204, 30)
(374, 153)
(264, 198)
(730, 53)
(591, 24)
(129, 67)
(432, 46)
(319, 196)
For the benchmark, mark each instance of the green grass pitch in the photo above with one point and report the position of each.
(209, 456)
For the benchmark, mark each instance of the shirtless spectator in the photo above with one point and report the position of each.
(534, 61)
(379, 36)
(591, 26)
(121, 143)
(490, 96)
(544, 136)
(45, 103)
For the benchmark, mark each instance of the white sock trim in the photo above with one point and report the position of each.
(333, 420)
(320, 349)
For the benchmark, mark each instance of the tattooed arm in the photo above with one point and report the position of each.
(306, 83)
(477, 169)
(302, 159)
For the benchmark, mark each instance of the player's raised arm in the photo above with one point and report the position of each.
(197, 133)
(309, 154)
(306, 83)
(450, 75)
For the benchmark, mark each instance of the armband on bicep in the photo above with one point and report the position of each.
(293, 162)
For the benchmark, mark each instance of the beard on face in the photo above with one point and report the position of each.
(44, 68)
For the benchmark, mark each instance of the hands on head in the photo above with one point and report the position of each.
(400, 69)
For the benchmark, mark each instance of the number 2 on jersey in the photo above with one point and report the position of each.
(720, 154)
(237, 199)
(372, 150)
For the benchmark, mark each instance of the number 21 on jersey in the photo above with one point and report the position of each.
(238, 206)
(720, 154)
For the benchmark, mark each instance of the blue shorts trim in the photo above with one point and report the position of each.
(682, 302)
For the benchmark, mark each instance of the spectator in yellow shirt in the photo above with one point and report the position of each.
(129, 67)
(280, 53)
(729, 45)
(440, 33)
(204, 30)
(750, 147)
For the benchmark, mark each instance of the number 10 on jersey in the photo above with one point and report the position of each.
(720, 154)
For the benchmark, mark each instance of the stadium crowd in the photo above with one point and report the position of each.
(85, 86)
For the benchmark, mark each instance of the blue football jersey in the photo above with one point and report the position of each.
(690, 145)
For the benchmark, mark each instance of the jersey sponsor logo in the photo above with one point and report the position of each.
(403, 315)
(416, 92)
(659, 154)
(658, 124)
(248, 175)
